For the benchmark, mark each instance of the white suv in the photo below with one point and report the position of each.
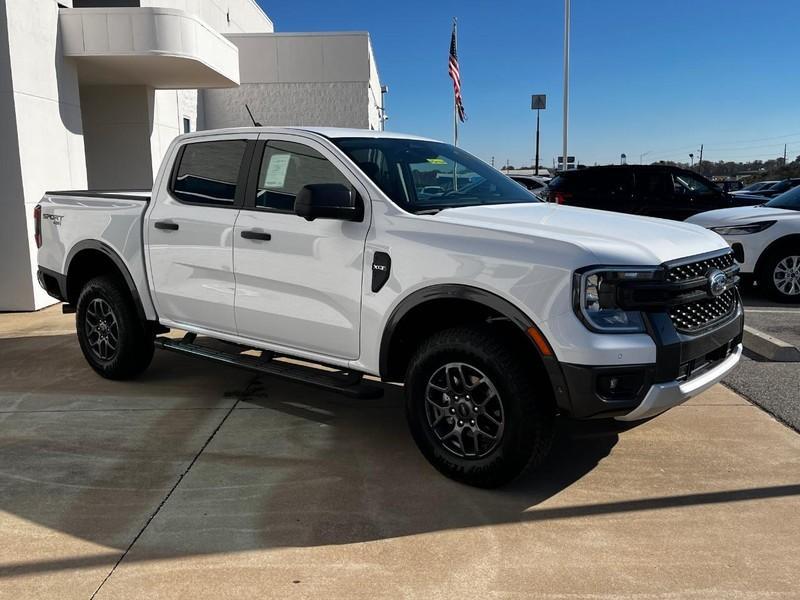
(765, 240)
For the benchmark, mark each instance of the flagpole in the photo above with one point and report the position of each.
(455, 101)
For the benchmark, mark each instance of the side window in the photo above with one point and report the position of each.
(685, 184)
(208, 172)
(286, 167)
(605, 184)
(653, 185)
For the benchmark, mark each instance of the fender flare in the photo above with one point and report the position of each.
(448, 291)
(488, 299)
(115, 258)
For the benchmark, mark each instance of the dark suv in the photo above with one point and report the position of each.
(651, 190)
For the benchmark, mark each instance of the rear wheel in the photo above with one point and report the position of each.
(115, 341)
(780, 275)
(476, 412)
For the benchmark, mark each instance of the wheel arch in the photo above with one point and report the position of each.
(774, 246)
(91, 258)
(457, 304)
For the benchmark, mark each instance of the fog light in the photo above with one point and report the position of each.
(619, 386)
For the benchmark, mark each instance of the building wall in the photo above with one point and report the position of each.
(117, 128)
(310, 104)
(42, 146)
(226, 16)
(299, 79)
(374, 93)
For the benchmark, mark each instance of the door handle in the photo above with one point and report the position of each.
(166, 225)
(256, 235)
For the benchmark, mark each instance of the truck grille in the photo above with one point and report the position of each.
(700, 268)
(695, 316)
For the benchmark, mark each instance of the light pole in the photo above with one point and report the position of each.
(642, 155)
(538, 102)
(566, 79)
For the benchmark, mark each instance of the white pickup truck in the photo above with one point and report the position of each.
(497, 311)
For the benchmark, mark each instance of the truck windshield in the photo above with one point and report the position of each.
(789, 200)
(425, 177)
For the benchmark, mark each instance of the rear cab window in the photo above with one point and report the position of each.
(208, 172)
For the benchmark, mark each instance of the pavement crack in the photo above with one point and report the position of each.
(248, 391)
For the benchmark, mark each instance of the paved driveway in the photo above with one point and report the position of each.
(201, 481)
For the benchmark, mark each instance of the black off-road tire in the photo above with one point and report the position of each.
(104, 303)
(526, 404)
(766, 276)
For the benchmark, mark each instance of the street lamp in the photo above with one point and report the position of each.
(642, 155)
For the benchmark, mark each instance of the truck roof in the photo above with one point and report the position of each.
(328, 132)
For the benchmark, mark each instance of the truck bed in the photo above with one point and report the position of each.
(105, 220)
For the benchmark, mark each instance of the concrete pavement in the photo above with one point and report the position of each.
(201, 481)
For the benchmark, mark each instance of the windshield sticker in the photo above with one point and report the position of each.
(276, 171)
(437, 161)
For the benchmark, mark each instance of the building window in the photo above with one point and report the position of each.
(208, 172)
(187, 125)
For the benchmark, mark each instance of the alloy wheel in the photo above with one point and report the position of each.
(786, 276)
(102, 329)
(464, 410)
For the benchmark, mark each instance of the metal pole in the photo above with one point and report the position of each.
(536, 168)
(455, 103)
(566, 79)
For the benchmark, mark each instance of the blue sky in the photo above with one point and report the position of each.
(657, 76)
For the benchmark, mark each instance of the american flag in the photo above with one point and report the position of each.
(455, 75)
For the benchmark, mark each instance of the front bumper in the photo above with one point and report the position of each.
(663, 396)
(685, 366)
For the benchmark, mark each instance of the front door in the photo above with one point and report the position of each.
(298, 282)
(189, 233)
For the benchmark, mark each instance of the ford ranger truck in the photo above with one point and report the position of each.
(404, 259)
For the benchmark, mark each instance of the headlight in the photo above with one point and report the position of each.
(743, 229)
(595, 298)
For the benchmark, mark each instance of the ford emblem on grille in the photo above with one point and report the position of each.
(717, 282)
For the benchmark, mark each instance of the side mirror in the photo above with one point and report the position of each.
(329, 201)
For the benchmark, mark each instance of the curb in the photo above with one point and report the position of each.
(769, 347)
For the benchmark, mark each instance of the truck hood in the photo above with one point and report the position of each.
(611, 238)
(740, 215)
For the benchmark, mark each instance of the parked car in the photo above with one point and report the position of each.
(765, 241)
(729, 185)
(650, 190)
(532, 183)
(754, 188)
(497, 311)
(778, 188)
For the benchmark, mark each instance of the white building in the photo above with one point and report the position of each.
(93, 91)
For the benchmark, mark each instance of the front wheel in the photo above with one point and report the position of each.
(115, 341)
(780, 276)
(475, 410)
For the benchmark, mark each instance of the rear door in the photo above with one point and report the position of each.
(603, 189)
(189, 232)
(298, 282)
